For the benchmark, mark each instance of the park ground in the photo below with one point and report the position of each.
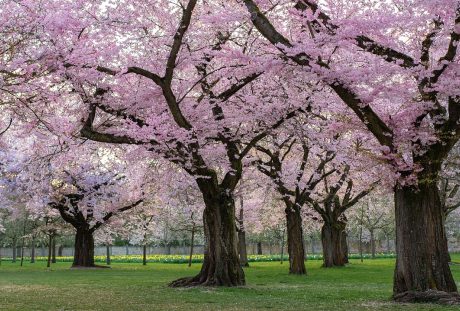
(131, 286)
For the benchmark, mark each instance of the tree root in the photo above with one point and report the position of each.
(429, 296)
(90, 267)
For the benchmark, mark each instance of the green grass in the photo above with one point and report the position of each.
(130, 286)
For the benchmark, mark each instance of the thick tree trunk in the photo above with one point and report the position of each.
(345, 246)
(446, 241)
(84, 248)
(296, 249)
(332, 236)
(221, 265)
(242, 249)
(422, 260)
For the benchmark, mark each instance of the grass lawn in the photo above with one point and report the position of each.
(359, 286)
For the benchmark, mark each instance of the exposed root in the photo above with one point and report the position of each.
(199, 280)
(89, 267)
(429, 296)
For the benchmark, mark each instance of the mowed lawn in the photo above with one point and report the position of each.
(359, 286)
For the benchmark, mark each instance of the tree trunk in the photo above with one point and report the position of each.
(259, 248)
(296, 250)
(221, 264)
(53, 254)
(32, 251)
(388, 244)
(192, 242)
(333, 248)
(371, 231)
(14, 250)
(242, 240)
(345, 246)
(84, 248)
(60, 250)
(107, 255)
(144, 255)
(422, 260)
(446, 241)
(50, 243)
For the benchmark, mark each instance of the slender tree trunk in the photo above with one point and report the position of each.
(332, 239)
(32, 250)
(84, 248)
(296, 249)
(242, 238)
(60, 250)
(361, 234)
(372, 243)
(23, 243)
(221, 265)
(259, 248)
(42, 249)
(422, 260)
(312, 239)
(14, 250)
(107, 255)
(50, 243)
(388, 244)
(192, 242)
(53, 254)
(282, 246)
(144, 255)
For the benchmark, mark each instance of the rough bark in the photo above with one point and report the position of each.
(221, 265)
(84, 248)
(422, 261)
(242, 249)
(296, 249)
(334, 250)
(345, 246)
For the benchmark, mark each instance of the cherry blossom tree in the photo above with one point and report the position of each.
(179, 94)
(412, 113)
(84, 192)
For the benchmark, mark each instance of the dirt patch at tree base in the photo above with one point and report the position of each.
(429, 296)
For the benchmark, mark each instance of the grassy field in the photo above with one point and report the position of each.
(130, 286)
